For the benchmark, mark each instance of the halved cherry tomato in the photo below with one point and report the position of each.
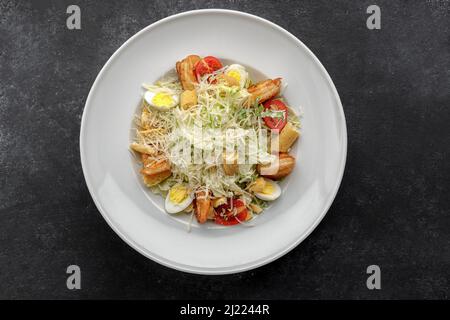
(225, 216)
(276, 105)
(207, 65)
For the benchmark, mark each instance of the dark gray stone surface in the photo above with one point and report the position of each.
(392, 208)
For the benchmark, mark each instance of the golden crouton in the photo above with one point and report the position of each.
(287, 137)
(230, 165)
(188, 99)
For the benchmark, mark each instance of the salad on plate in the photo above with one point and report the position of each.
(214, 143)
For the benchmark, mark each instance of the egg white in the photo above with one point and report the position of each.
(270, 197)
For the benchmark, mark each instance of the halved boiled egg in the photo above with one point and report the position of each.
(270, 191)
(178, 198)
(238, 73)
(161, 101)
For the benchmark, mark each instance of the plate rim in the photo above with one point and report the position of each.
(238, 268)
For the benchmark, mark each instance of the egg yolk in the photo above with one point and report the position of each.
(234, 74)
(178, 194)
(268, 188)
(162, 99)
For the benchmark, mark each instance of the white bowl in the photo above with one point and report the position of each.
(133, 212)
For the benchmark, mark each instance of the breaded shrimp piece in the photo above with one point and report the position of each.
(153, 167)
(154, 172)
(202, 206)
(185, 70)
(263, 91)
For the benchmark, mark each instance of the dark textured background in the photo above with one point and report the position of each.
(392, 208)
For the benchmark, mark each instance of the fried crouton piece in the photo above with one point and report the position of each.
(230, 163)
(188, 98)
(287, 137)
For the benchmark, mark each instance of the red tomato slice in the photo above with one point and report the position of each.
(207, 65)
(272, 122)
(224, 215)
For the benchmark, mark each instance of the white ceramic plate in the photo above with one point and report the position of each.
(134, 213)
